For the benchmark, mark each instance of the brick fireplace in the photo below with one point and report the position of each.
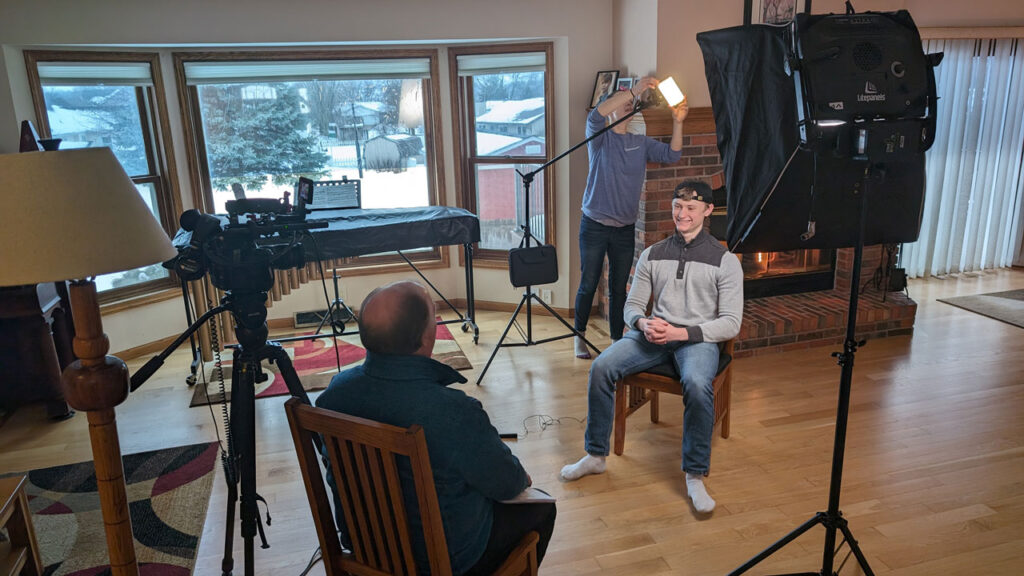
(770, 322)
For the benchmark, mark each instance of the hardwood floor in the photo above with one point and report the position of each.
(933, 479)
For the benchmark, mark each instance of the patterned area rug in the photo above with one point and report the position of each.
(315, 363)
(168, 493)
(1003, 306)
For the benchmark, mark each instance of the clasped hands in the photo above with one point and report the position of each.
(658, 331)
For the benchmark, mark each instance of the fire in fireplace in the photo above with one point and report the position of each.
(789, 272)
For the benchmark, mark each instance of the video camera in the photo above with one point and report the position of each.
(238, 253)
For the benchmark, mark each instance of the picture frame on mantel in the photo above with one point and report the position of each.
(776, 12)
(604, 85)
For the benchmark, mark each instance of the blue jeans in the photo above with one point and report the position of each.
(596, 240)
(697, 363)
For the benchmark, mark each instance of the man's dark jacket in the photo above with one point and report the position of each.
(472, 466)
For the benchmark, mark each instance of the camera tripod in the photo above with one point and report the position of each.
(249, 312)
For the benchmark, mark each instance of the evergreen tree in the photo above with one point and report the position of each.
(255, 130)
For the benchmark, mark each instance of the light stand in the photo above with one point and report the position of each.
(529, 295)
(832, 519)
(826, 111)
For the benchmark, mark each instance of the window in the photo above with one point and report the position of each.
(501, 95)
(974, 196)
(111, 99)
(263, 120)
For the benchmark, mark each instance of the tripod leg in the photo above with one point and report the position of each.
(470, 322)
(328, 314)
(231, 473)
(497, 346)
(817, 519)
(243, 426)
(855, 547)
(276, 353)
(227, 564)
(566, 324)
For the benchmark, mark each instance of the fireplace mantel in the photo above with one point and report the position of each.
(659, 121)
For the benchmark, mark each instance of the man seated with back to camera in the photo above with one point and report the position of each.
(695, 287)
(400, 384)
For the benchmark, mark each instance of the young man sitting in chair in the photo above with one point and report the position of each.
(400, 384)
(695, 287)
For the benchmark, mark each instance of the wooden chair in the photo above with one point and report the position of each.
(635, 390)
(21, 554)
(363, 460)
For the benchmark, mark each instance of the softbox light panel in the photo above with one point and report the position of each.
(769, 176)
(863, 66)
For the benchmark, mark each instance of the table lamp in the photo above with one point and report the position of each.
(73, 215)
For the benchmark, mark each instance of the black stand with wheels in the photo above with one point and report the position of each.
(249, 312)
(337, 313)
(197, 356)
(529, 295)
(832, 519)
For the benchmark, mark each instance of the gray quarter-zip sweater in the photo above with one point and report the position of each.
(698, 286)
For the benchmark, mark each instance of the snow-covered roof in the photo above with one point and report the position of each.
(487, 143)
(70, 121)
(517, 144)
(513, 111)
(374, 106)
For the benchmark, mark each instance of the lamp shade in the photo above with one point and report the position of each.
(73, 214)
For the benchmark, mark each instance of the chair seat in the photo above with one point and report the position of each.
(635, 390)
(668, 368)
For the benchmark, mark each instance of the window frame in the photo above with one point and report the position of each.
(195, 144)
(153, 118)
(464, 141)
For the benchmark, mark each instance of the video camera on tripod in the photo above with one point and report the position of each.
(241, 252)
(237, 254)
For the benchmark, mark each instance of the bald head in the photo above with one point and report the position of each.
(398, 319)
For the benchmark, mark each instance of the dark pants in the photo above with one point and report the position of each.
(617, 242)
(511, 523)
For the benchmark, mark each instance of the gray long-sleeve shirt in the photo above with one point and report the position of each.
(698, 286)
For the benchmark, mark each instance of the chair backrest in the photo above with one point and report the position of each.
(362, 456)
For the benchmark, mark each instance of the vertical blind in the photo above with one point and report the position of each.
(973, 208)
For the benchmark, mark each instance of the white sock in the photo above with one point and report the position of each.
(695, 489)
(586, 465)
(582, 350)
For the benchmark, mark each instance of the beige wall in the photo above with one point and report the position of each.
(635, 37)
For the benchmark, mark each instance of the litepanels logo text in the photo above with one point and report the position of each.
(870, 94)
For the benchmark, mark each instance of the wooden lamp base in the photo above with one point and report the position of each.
(96, 383)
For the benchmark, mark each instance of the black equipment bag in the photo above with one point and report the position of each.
(533, 266)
